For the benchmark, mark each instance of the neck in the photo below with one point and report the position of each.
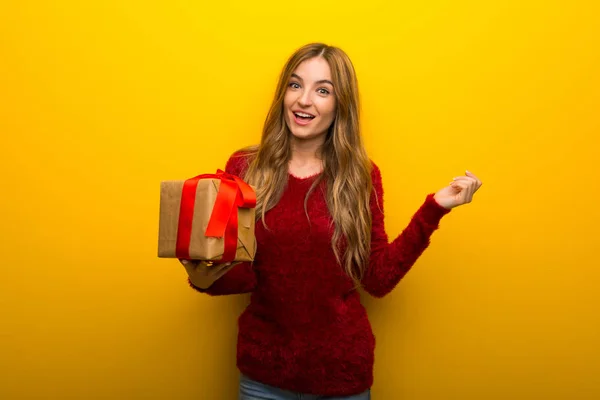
(306, 152)
(306, 157)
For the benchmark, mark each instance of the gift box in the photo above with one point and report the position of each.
(209, 217)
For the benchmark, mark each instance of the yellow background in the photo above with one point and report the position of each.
(101, 100)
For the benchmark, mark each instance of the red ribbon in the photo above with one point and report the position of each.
(233, 193)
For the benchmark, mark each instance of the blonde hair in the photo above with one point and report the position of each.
(347, 168)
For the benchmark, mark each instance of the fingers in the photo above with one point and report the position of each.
(473, 182)
(472, 175)
(465, 178)
(477, 180)
(469, 184)
(464, 187)
(459, 185)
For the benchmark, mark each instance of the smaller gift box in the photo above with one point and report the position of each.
(209, 217)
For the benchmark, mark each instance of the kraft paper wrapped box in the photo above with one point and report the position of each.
(209, 217)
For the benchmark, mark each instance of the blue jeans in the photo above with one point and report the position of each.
(253, 390)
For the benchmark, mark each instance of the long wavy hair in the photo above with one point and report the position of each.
(347, 168)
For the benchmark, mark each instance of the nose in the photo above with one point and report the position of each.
(305, 99)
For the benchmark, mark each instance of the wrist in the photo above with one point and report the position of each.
(441, 203)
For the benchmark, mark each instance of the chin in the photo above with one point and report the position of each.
(306, 135)
(301, 134)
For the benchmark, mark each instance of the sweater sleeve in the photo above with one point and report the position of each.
(242, 277)
(389, 262)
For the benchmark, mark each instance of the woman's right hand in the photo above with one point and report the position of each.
(203, 274)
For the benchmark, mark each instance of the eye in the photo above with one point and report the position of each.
(323, 91)
(294, 85)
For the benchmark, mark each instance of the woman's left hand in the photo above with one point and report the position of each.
(459, 192)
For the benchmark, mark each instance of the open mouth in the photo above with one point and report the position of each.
(303, 118)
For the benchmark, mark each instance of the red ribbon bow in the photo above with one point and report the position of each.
(233, 193)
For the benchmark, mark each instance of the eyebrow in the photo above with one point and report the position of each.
(319, 82)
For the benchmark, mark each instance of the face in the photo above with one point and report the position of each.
(309, 103)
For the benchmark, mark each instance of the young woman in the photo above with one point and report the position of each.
(320, 235)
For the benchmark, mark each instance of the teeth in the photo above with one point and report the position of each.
(304, 115)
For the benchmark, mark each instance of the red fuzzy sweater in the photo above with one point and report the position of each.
(305, 329)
